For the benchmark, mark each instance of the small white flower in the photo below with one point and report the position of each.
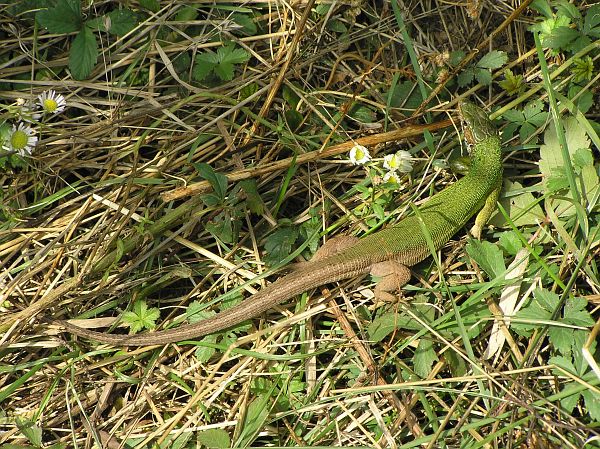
(359, 155)
(21, 139)
(51, 102)
(27, 111)
(401, 161)
(391, 177)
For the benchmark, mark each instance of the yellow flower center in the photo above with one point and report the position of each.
(50, 105)
(19, 140)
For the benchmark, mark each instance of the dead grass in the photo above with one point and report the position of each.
(83, 239)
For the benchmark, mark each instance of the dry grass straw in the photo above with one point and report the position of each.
(105, 233)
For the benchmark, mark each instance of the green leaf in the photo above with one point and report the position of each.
(387, 323)
(279, 244)
(551, 160)
(202, 69)
(31, 431)
(122, 21)
(483, 76)
(186, 13)
(510, 242)
(488, 256)
(493, 60)
(150, 5)
(254, 201)
(248, 25)
(65, 17)
(567, 9)
(424, 358)
(216, 180)
(214, 438)
(512, 84)
(229, 54)
(592, 19)
(561, 338)
(224, 70)
(592, 403)
(83, 54)
(141, 317)
(466, 77)
(560, 38)
(547, 299)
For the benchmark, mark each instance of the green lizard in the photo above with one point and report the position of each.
(387, 253)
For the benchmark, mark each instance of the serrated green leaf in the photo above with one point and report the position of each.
(567, 9)
(592, 403)
(83, 54)
(483, 76)
(488, 256)
(141, 317)
(224, 70)
(65, 17)
(561, 338)
(232, 55)
(466, 77)
(121, 21)
(493, 60)
(363, 114)
(560, 38)
(510, 241)
(547, 299)
(514, 115)
(214, 438)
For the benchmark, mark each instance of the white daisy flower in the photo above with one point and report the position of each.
(359, 155)
(392, 177)
(51, 102)
(21, 139)
(401, 161)
(27, 111)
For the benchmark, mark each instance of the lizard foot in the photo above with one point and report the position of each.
(393, 275)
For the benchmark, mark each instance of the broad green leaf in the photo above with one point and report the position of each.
(65, 17)
(248, 25)
(141, 317)
(592, 403)
(493, 60)
(387, 323)
(214, 438)
(150, 5)
(229, 54)
(217, 181)
(483, 76)
(510, 242)
(424, 358)
(224, 70)
(520, 205)
(279, 244)
(551, 160)
(560, 37)
(83, 54)
(121, 21)
(561, 338)
(488, 256)
(592, 19)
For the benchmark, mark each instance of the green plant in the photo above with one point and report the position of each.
(220, 64)
(141, 317)
(66, 17)
(481, 70)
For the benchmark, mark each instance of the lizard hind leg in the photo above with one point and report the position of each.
(394, 275)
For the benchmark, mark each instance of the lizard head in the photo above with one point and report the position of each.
(476, 123)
